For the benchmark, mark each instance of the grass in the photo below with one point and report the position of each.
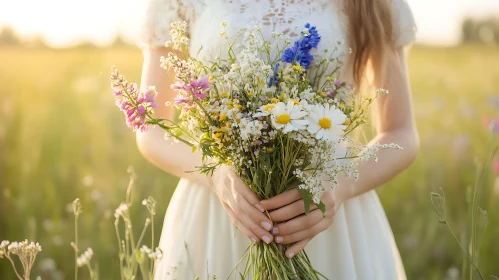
(61, 137)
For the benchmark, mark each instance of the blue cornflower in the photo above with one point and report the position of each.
(274, 76)
(300, 52)
(305, 59)
(290, 54)
(313, 35)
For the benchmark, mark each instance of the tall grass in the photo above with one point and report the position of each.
(471, 240)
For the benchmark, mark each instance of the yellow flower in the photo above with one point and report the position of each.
(218, 135)
(229, 162)
(223, 117)
(323, 94)
(283, 119)
(270, 150)
(325, 123)
(297, 67)
(211, 78)
(296, 102)
(275, 100)
(250, 93)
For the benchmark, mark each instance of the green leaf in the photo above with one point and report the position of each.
(322, 207)
(265, 162)
(139, 257)
(306, 199)
(194, 148)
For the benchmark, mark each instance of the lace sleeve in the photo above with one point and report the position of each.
(404, 25)
(159, 14)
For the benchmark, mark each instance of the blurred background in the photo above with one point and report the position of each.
(61, 136)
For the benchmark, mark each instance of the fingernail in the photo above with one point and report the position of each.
(290, 255)
(275, 230)
(266, 239)
(278, 239)
(253, 239)
(259, 207)
(266, 225)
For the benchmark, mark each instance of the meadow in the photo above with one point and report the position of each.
(61, 138)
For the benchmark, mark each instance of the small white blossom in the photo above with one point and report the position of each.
(121, 211)
(84, 259)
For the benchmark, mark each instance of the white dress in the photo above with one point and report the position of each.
(198, 237)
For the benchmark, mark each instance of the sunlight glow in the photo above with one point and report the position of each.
(66, 22)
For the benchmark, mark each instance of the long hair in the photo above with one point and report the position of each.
(369, 35)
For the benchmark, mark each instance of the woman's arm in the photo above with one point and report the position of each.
(395, 124)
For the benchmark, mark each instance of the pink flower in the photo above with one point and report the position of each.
(493, 125)
(135, 104)
(338, 83)
(185, 102)
(197, 88)
(495, 165)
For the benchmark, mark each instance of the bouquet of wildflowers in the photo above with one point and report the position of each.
(269, 110)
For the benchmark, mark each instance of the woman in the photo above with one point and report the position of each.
(354, 241)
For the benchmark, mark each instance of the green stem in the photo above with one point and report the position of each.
(152, 245)
(91, 272)
(467, 253)
(76, 246)
(142, 236)
(14, 266)
(120, 250)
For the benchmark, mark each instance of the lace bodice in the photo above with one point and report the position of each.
(284, 16)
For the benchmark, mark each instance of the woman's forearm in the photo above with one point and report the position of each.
(390, 163)
(174, 158)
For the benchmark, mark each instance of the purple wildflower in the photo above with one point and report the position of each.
(330, 94)
(184, 102)
(338, 83)
(198, 88)
(493, 125)
(133, 103)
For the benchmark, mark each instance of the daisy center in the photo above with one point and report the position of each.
(325, 123)
(283, 119)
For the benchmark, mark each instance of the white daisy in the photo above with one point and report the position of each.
(264, 110)
(288, 117)
(326, 122)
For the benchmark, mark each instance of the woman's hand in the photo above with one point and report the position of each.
(242, 205)
(288, 210)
